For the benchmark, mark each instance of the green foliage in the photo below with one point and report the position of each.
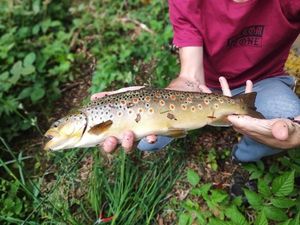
(275, 196)
(132, 194)
(131, 43)
(35, 58)
(37, 51)
(192, 177)
(17, 194)
(274, 202)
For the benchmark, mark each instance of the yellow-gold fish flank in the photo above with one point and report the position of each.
(146, 111)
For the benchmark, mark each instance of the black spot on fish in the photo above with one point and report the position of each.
(171, 116)
(138, 118)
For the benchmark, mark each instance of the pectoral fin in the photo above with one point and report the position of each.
(100, 128)
(221, 122)
(176, 133)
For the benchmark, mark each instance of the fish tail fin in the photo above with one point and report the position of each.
(248, 99)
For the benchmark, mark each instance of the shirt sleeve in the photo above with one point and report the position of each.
(291, 10)
(185, 19)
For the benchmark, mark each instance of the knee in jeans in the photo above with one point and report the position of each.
(279, 108)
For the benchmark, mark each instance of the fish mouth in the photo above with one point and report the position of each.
(56, 139)
(48, 139)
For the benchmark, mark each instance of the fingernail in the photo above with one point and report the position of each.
(151, 139)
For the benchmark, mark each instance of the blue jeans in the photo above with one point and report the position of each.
(275, 99)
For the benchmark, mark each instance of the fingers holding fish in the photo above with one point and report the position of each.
(203, 88)
(128, 141)
(279, 133)
(249, 86)
(225, 87)
(226, 90)
(280, 130)
(151, 139)
(110, 144)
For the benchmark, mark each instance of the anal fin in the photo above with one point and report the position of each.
(176, 132)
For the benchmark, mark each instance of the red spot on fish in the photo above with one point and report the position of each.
(135, 100)
(172, 107)
(147, 99)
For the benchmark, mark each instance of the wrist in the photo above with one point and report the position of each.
(193, 77)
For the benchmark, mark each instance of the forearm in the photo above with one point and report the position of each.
(191, 60)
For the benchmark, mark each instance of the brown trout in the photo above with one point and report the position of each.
(146, 111)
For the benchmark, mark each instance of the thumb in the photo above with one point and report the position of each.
(204, 88)
(281, 130)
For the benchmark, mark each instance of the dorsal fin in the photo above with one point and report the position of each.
(249, 100)
(101, 127)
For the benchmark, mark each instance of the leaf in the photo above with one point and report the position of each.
(261, 219)
(275, 213)
(29, 59)
(200, 216)
(184, 219)
(236, 216)
(237, 201)
(26, 92)
(16, 69)
(260, 165)
(215, 221)
(283, 203)
(263, 188)
(4, 81)
(193, 177)
(218, 196)
(254, 199)
(284, 184)
(37, 93)
(36, 6)
(296, 220)
(203, 190)
(28, 70)
(287, 222)
(15, 78)
(18, 206)
(254, 171)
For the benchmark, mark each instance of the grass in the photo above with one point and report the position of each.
(132, 188)
(76, 186)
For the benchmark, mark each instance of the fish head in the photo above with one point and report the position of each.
(66, 132)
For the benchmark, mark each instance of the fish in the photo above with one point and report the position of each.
(146, 111)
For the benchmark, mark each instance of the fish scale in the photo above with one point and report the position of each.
(146, 111)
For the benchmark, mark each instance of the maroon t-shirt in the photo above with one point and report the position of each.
(249, 40)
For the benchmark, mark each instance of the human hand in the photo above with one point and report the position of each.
(184, 84)
(279, 133)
